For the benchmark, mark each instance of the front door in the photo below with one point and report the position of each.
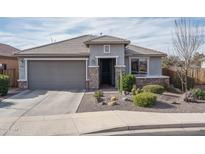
(107, 71)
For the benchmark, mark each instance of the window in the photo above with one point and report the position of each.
(106, 48)
(3, 66)
(139, 66)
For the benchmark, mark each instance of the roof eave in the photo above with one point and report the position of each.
(51, 55)
(148, 55)
(7, 56)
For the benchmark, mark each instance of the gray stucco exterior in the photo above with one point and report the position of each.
(127, 64)
(115, 51)
(155, 67)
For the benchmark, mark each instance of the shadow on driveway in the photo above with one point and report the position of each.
(5, 104)
(27, 94)
(17, 99)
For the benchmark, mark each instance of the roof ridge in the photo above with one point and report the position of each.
(9, 46)
(117, 37)
(92, 38)
(55, 42)
(98, 37)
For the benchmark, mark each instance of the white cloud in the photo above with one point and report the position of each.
(29, 32)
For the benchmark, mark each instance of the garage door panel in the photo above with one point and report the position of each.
(56, 74)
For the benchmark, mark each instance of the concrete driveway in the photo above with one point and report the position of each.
(41, 102)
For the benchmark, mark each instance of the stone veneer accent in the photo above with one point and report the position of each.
(140, 81)
(23, 84)
(87, 84)
(118, 69)
(93, 75)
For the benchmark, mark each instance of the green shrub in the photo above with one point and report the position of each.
(157, 89)
(144, 99)
(198, 93)
(128, 80)
(4, 85)
(98, 94)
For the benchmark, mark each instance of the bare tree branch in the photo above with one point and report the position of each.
(187, 39)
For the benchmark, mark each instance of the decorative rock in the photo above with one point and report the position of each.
(104, 103)
(112, 103)
(125, 93)
(125, 99)
(188, 97)
(103, 98)
(114, 98)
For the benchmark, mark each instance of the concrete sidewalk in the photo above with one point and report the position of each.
(96, 122)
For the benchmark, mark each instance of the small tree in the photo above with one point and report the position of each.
(187, 39)
(169, 61)
(196, 60)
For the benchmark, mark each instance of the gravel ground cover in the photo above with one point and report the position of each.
(167, 103)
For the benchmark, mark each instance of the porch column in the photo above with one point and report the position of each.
(22, 81)
(93, 73)
(118, 69)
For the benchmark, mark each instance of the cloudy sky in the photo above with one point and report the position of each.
(24, 33)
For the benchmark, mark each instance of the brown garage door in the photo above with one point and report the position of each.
(56, 74)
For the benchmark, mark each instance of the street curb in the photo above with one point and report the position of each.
(143, 127)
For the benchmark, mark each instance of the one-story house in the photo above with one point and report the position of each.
(9, 62)
(88, 62)
(202, 62)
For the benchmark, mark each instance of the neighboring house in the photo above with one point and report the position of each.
(88, 62)
(9, 62)
(202, 61)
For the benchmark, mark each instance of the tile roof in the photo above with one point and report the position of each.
(137, 50)
(7, 50)
(74, 46)
(78, 47)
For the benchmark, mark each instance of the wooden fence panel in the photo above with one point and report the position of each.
(198, 74)
(12, 75)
